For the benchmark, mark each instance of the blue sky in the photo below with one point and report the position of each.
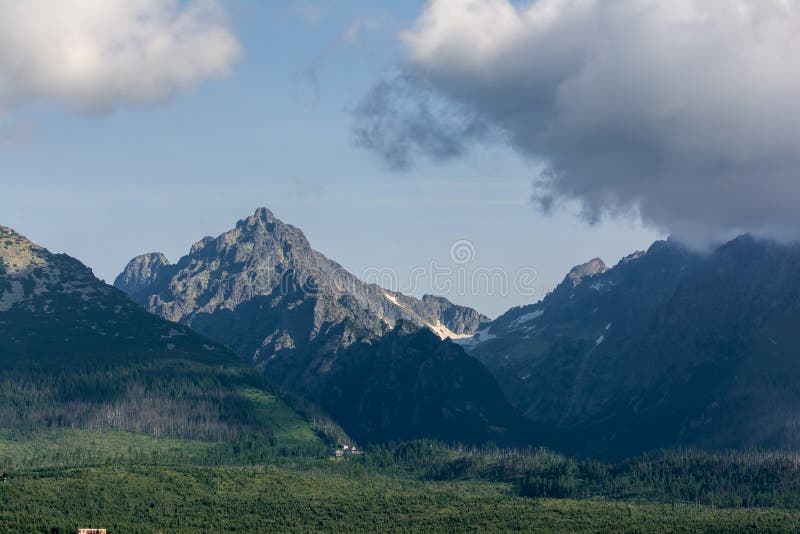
(106, 185)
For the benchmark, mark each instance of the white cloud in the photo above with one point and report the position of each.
(685, 111)
(94, 55)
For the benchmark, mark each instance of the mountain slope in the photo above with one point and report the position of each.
(668, 348)
(408, 384)
(318, 330)
(77, 354)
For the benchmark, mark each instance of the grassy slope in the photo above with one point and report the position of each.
(189, 499)
(286, 424)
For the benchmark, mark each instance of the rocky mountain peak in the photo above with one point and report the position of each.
(586, 270)
(633, 257)
(281, 296)
(141, 272)
(30, 276)
(263, 231)
(200, 245)
(262, 217)
(265, 215)
(17, 253)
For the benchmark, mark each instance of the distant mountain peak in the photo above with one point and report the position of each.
(263, 218)
(264, 214)
(586, 270)
(263, 227)
(633, 257)
(263, 290)
(200, 245)
(140, 272)
(18, 253)
(265, 258)
(312, 326)
(30, 275)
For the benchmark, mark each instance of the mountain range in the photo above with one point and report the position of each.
(669, 348)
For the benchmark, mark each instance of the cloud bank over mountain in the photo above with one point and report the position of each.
(685, 112)
(95, 55)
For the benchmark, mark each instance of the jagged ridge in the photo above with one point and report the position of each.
(668, 348)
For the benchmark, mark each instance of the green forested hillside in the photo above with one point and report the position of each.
(262, 499)
(741, 479)
(418, 486)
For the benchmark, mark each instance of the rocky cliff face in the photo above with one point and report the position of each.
(140, 272)
(589, 269)
(668, 348)
(263, 290)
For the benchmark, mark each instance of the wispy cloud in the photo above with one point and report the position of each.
(351, 37)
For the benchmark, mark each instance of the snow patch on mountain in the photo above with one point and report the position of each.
(443, 332)
(391, 298)
(602, 286)
(481, 336)
(528, 317)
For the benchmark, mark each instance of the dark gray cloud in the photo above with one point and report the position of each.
(402, 119)
(686, 112)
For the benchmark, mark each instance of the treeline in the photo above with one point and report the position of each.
(56, 450)
(727, 479)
